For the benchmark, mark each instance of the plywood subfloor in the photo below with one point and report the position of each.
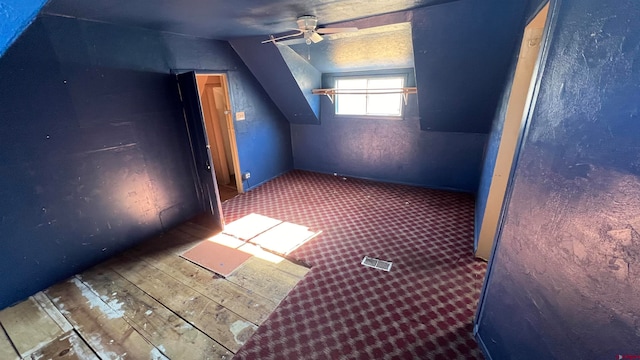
(149, 303)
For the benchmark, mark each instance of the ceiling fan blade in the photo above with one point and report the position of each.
(336, 30)
(276, 39)
(315, 37)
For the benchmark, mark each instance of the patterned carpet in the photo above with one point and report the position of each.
(421, 309)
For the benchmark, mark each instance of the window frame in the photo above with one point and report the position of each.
(402, 75)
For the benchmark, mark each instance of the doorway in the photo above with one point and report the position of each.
(218, 121)
(516, 113)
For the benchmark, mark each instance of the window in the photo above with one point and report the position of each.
(373, 96)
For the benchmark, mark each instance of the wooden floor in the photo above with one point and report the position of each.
(148, 303)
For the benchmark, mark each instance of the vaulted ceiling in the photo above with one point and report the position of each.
(460, 50)
(225, 19)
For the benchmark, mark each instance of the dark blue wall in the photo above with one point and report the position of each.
(15, 16)
(305, 74)
(388, 150)
(462, 51)
(462, 55)
(564, 279)
(95, 155)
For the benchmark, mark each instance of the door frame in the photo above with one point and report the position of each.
(510, 138)
(233, 144)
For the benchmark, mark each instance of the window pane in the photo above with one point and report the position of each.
(385, 83)
(371, 103)
(385, 104)
(351, 104)
(351, 83)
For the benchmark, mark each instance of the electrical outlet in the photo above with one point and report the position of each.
(246, 176)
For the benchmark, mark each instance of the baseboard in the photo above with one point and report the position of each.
(444, 188)
(480, 342)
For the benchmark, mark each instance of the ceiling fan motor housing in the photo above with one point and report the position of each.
(307, 22)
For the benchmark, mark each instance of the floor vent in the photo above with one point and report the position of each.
(376, 263)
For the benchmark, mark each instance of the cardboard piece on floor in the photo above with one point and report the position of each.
(218, 258)
(249, 226)
(284, 238)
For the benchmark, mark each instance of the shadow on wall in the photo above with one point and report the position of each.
(97, 156)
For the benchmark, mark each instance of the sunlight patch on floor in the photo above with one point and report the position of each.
(264, 237)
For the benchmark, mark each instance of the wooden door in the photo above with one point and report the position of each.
(204, 174)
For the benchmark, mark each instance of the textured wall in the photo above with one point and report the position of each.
(15, 16)
(388, 150)
(462, 54)
(95, 155)
(564, 279)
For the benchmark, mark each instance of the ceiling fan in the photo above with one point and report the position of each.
(307, 27)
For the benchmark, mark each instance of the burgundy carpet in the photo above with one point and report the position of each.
(422, 309)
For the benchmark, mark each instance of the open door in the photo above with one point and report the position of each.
(216, 108)
(509, 141)
(200, 149)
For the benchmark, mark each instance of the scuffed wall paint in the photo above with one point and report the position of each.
(95, 154)
(567, 264)
(15, 16)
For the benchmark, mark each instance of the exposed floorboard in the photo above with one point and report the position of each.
(7, 350)
(99, 323)
(29, 326)
(67, 347)
(149, 303)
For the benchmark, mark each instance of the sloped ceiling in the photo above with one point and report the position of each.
(379, 47)
(461, 49)
(225, 19)
(243, 22)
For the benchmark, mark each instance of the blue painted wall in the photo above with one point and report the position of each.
(95, 155)
(305, 74)
(564, 279)
(462, 55)
(268, 66)
(15, 16)
(388, 150)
